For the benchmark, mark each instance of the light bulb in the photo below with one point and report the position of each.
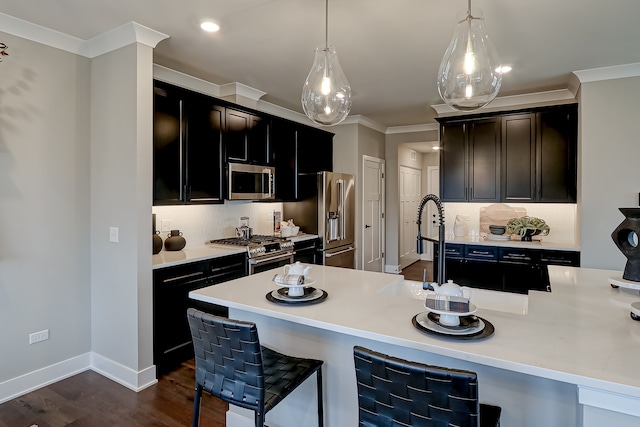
(467, 78)
(326, 94)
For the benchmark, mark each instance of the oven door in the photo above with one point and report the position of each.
(257, 265)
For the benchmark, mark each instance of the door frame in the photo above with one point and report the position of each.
(383, 221)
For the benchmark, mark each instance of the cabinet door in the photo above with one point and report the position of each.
(237, 135)
(484, 161)
(453, 162)
(204, 152)
(284, 160)
(259, 141)
(518, 157)
(556, 155)
(168, 134)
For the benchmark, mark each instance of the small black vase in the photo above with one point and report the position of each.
(157, 243)
(528, 235)
(626, 239)
(175, 241)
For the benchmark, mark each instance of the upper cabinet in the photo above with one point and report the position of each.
(540, 155)
(299, 153)
(517, 157)
(196, 136)
(470, 160)
(187, 147)
(247, 138)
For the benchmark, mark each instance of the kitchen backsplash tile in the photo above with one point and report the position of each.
(201, 223)
(561, 217)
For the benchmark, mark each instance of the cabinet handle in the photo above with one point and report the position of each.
(186, 276)
(481, 252)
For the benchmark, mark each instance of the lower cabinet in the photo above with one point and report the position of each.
(307, 252)
(171, 286)
(517, 270)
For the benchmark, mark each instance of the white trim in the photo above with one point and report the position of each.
(134, 380)
(610, 401)
(429, 127)
(185, 80)
(42, 377)
(40, 34)
(551, 97)
(235, 88)
(393, 269)
(364, 121)
(608, 73)
(124, 35)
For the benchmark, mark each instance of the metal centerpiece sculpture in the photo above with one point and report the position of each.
(625, 236)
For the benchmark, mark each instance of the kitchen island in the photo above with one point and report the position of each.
(569, 360)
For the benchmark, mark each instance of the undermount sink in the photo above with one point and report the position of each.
(487, 300)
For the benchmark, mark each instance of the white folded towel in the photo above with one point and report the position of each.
(447, 303)
(289, 279)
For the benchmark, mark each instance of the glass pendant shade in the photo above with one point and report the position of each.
(469, 76)
(326, 95)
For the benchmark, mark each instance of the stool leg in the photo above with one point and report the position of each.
(320, 409)
(196, 406)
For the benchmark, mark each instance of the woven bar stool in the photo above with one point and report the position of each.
(396, 392)
(233, 366)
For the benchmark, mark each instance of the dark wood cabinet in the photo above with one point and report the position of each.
(470, 161)
(171, 286)
(517, 270)
(247, 138)
(556, 154)
(299, 153)
(518, 157)
(187, 148)
(525, 156)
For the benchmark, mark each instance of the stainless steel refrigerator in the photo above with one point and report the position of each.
(330, 215)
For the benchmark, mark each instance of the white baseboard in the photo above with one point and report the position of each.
(134, 380)
(393, 269)
(31, 381)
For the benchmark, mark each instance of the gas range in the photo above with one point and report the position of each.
(259, 245)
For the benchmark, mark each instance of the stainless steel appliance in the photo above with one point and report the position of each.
(330, 215)
(264, 252)
(251, 182)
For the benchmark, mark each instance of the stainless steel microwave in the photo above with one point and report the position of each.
(251, 182)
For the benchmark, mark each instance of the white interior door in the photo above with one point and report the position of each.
(430, 221)
(373, 214)
(409, 200)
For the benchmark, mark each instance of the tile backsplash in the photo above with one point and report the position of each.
(561, 217)
(201, 223)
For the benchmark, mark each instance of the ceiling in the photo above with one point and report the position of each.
(389, 50)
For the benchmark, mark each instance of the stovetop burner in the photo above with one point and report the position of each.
(255, 239)
(259, 245)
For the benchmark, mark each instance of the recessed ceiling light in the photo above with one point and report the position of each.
(209, 26)
(435, 147)
(504, 69)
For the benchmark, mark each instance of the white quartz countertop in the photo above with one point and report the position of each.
(580, 333)
(515, 242)
(207, 251)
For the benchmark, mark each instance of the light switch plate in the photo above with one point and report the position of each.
(113, 234)
(166, 224)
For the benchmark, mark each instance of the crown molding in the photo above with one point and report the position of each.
(608, 73)
(429, 127)
(239, 89)
(551, 97)
(364, 121)
(124, 35)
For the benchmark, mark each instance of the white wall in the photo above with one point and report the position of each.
(609, 176)
(44, 207)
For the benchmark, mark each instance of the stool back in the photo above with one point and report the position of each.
(393, 391)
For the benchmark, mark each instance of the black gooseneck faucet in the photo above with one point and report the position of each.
(440, 241)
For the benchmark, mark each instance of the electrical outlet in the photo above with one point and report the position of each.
(38, 336)
(166, 224)
(113, 234)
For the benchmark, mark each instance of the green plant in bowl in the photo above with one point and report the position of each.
(527, 226)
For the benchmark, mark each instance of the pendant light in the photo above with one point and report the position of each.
(469, 76)
(326, 94)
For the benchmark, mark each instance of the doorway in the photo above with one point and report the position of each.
(373, 224)
(410, 196)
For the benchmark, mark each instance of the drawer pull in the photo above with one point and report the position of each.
(186, 276)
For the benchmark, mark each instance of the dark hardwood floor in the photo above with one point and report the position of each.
(415, 271)
(89, 399)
